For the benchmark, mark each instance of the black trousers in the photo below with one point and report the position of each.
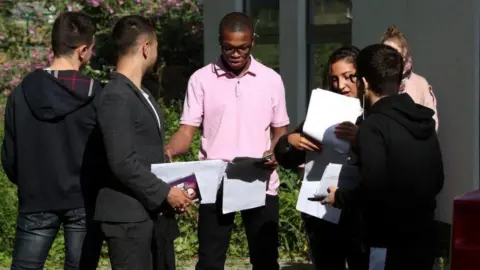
(261, 227)
(133, 246)
(331, 245)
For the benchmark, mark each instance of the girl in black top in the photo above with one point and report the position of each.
(331, 245)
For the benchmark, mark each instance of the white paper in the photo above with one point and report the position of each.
(377, 258)
(239, 195)
(315, 208)
(342, 176)
(209, 174)
(325, 111)
(244, 187)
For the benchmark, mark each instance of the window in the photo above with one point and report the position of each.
(329, 28)
(265, 14)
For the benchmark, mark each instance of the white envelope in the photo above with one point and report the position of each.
(315, 208)
(209, 174)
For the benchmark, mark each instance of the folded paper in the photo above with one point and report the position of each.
(208, 173)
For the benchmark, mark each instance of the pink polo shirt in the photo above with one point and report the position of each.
(236, 113)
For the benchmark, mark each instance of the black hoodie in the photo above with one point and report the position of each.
(48, 121)
(401, 172)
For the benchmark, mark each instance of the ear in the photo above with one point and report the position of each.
(82, 52)
(365, 83)
(146, 49)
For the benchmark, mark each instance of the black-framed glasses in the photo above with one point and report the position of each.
(243, 50)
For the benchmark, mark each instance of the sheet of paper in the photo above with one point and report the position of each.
(342, 176)
(244, 185)
(239, 195)
(209, 174)
(325, 111)
(315, 208)
(316, 163)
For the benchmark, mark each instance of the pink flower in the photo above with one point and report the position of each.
(120, 2)
(94, 3)
(2, 36)
(31, 31)
(69, 7)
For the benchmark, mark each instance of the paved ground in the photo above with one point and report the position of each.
(245, 266)
(284, 266)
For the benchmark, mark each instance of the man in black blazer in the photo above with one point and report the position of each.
(134, 207)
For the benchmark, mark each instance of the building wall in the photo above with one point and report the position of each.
(444, 41)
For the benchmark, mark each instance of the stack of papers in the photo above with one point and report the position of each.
(244, 180)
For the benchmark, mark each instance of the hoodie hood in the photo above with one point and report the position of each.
(417, 119)
(52, 94)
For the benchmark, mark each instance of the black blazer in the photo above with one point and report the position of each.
(132, 142)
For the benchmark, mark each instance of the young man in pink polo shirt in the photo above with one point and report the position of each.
(240, 105)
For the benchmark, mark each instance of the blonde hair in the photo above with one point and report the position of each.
(393, 34)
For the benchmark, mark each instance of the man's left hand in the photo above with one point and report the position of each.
(272, 163)
(330, 199)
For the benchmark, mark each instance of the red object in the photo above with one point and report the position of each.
(465, 242)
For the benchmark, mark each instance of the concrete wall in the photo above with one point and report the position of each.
(444, 42)
(293, 57)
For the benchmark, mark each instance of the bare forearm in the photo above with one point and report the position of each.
(178, 144)
(180, 141)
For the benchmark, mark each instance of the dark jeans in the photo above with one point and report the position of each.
(261, 227)
(37, 231)
(331, 245)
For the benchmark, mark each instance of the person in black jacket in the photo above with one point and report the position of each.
(135, 208)
(49, 119)
(400, 164)
(345, 242)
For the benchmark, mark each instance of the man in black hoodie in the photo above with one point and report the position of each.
(400, 163)
(49, 119)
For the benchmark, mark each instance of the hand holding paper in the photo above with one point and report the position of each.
(209, 174)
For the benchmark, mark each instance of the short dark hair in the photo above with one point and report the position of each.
(382, 67)
(70, 31)
(236, 22)
(345, 53)
(128, 29)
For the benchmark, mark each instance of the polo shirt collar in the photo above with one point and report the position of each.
(219, 68)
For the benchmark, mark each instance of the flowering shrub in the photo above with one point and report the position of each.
(24, 36)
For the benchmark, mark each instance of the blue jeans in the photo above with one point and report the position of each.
(37, 231)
